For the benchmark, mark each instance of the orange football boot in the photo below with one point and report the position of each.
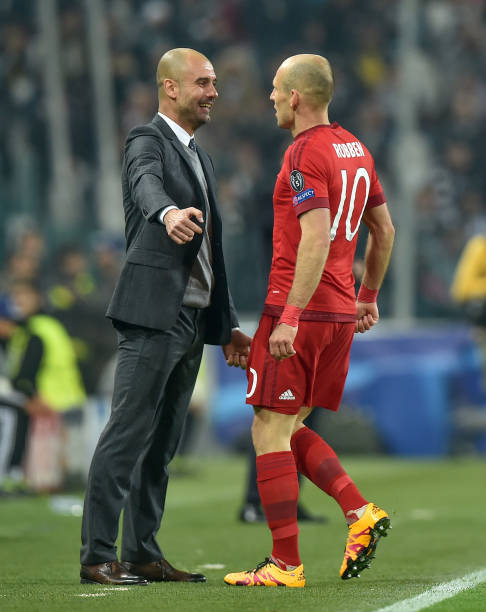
(268, 574)
(363, 538)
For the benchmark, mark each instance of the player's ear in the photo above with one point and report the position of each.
(294, 99)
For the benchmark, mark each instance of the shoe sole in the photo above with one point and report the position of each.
(363, 561)
(271, 586)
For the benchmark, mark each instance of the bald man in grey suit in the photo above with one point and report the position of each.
(172, 298)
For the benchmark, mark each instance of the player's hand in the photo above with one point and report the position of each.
(281, 342)
(366, 316)
(237, 350)
(180, 227)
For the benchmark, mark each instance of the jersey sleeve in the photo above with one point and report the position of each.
(376, 196)
(308, 179)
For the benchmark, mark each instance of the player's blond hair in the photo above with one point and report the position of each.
(311, 75)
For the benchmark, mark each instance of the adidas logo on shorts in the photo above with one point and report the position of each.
(287, 395)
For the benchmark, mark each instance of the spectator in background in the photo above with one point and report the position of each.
(31, 242)
(73, 277)
(20, 267)
(245, 38)
(107, 253)
(78, 299)
(469, 288)
(13, 417)
(42, 365)
(41, 354)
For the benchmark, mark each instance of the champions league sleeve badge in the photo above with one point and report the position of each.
(296, 180)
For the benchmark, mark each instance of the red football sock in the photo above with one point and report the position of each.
(279, 490)
(316, 460)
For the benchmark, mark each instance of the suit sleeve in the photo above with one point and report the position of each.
(144, 166)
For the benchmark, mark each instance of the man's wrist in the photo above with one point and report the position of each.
(290, 315)
(367, 295)
(165, 211)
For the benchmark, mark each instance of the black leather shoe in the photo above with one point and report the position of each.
(162, 571)
(111, 572)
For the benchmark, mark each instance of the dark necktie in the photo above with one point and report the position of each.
(192, 145)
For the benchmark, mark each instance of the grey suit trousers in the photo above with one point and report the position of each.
(154, 381)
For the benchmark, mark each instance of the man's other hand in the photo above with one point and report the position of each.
(237, 350)
(281, 342)
(366, 316)
(179, 226)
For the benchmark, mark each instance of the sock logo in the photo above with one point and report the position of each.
(287, 395)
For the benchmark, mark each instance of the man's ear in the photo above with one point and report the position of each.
(294, 99)
(171, 88)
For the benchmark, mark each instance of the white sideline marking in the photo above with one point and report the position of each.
(106, 590)
(423, 514)
(110, 589)
(437, 593)
(214, 566)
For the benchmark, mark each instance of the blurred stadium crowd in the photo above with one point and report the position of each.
(246, 40)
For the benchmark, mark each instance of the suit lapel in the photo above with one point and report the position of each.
(208, 171)
(205, 163)
(177, 144)
(211, 181)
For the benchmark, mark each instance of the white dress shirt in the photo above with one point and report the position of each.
(183, 137)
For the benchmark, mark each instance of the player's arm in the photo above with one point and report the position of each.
(377, 257)
(312, 255)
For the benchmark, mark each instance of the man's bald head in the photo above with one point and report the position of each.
(186, 84)
(311, 75)
(174, 64)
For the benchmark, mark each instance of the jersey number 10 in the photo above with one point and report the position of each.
(361, 173)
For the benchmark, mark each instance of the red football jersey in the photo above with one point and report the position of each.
(325, 167)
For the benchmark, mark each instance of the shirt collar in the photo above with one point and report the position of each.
(180, 132)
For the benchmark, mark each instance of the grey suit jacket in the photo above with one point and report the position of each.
(157, 172)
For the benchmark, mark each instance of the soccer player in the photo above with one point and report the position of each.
(300, 354)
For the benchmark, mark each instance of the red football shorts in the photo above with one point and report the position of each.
(315, 376)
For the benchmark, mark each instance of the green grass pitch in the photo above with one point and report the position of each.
(437, 510)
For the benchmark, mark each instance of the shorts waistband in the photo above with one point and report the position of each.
(312, 315)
